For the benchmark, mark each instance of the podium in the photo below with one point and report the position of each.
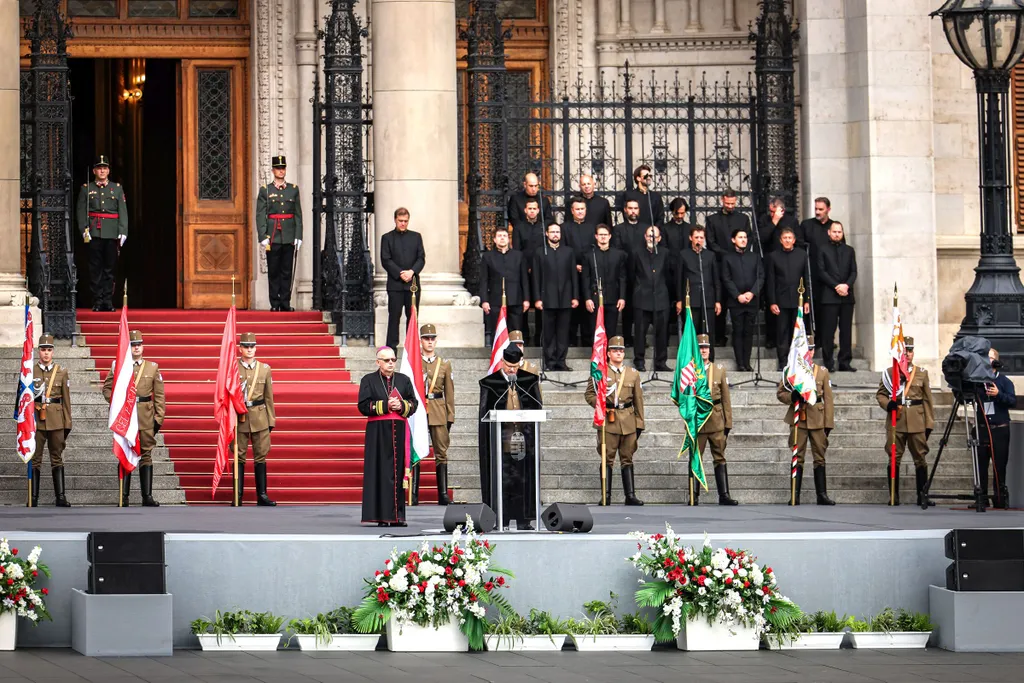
(506, 422)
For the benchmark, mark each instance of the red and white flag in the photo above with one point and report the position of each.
(897, 345)
(598, 368)
(24, 407)
(228, 400)
(124, 409)
(500, 341)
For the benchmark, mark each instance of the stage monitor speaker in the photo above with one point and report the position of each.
(127, 579)
(985, 544)
(985, 575)
(125, 547)
(483, 516)
(567, 517)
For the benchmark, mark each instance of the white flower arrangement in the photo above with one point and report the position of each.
(18, 577)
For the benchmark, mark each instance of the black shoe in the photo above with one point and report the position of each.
(797, 483)
(35, 487)
(639, 367)
(126, 489)
(921, 474)
(722, 482)
(527, 526)
(95, 308)
(380, 524)
(662, 367)
(241, 486)
(781, 367)
(830, 368)
(819, 487)
(1003, 501)
(261, 486)
(607, 485)
(847, 368)
(721, 343)
(275, 309)
(442, 484)
(628, 487)
(146, 481)
(287, 308)
(58, 487)
(564, 368)
(398, 524)
(769, 345)
(416, 485)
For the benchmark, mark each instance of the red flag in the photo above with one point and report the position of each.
(123, 418)
(227, 398)
(24, 400)
(598, 368)
(500, 341)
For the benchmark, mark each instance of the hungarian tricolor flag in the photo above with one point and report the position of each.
(24, 398)
(500, 341)
(412, 367)
(123, 419)
(799, 374)
(228, 400)
(691, 395)
(598, 368)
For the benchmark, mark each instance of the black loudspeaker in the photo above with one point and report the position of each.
(985, 575)
(567, 517)
(127, 579)
(125, 547)
(483, 517)
(985, 544)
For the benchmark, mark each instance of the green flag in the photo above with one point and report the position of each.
(691, 394)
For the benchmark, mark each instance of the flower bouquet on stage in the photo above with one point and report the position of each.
(18, 598)
(709, 598)
(435, 599)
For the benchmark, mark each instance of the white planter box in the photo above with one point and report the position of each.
(8, 630)
(525, 643)
(413, 638)
(897, 640)
(620, 642)
(243, 642)
(809, 641)
(346, 642)
(697, 635)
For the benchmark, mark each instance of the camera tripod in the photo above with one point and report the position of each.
(969, 403)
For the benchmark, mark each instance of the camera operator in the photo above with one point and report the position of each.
(999, 398)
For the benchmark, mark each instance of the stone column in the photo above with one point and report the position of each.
(694, 25)
(625, 22)
(659, 17)
(729, 17)
(415, 141)
(306, 63)
(12, 284)
(607, 25)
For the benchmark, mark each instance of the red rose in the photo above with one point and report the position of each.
(14, 551)
(488, 586)
(10, 582)
(454, 559)
(448, 571)
(767, 570)
(501, 580)
(728, 581)
(766, 590)
(703, 570)
(377, 573)
(700, 580)
(472, 597)
(462, 584)
(45, 592)
(668, 562)
(387, 574)
(746, 584)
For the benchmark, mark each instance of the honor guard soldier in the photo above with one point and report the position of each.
(915, 419)
(255, 426)
(103, 220)
(718, 425)
(816, 423)
(439, 394)
(52, 387)
(279, 226)
(149, 392)
(624, 421)
(516, 337)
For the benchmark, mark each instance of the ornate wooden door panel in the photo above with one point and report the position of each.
(215, 207)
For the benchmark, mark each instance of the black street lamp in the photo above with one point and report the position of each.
(988, 36)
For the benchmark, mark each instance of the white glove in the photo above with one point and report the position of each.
(298, 244)
(85, 235)
(122, 239)
(265, 242)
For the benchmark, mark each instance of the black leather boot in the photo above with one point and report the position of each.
(819, 487)
(628, 487)
(922, 479)
(442, 485)
(146, 480)
(241, 486)
(693, 494)
(35, 488)
(58, 487)
(895, 499)
(1002, 499)
(416, 485)
(261, 486)
(722, 482)
(797, 483)
(126, 488)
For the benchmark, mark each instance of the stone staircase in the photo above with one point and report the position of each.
(758, 453)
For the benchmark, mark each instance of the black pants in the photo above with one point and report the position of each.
(513, 318)
(397, 302)
(641, 321)
(627, 317)
(102, 263)
(556, 336)
(830, 316)
(279, 274)
(719, 331)
(1001, 447)
(697, 313)
(744, 320)
(784, 322)
(578, 327)
(770, 324)
(611, 322)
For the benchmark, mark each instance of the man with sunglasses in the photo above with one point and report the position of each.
(652, 207)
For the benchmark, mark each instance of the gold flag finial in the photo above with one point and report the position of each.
(232, 289)
(687, 293)
(895, 294)
(124, 298)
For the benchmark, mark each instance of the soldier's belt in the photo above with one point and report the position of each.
(143, 399)
(717, 402)
(280, 216)
(100, 214)
(621, 406)
(915, 402)
(440, 395)
(40, 399)
(257, 402)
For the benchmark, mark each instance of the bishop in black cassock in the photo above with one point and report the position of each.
(387, 441)
(510, 388)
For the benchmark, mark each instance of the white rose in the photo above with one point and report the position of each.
(398, 583)
(33, 557)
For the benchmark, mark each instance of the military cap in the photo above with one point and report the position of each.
(135, 336)
(248, 339)
(810, 341)
(616, 343)
(515, 337)
(512, 354)
(101, 160)
(703, 340)
(46, 341)
(909, 343)
(278, 161)
(428, 331)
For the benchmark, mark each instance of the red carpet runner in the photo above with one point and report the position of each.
(317, 453)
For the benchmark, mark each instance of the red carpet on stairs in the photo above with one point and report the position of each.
(317, 452)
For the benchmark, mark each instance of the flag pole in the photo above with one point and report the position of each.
(796, 420)
(604, 437)
(407, 481)
(234, 495)
(892, 415)
(120, 467)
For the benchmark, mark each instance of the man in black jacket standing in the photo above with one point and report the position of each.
(700, 271)
(676, 230)
(598, 209)
(652, 207)
(837, 271)
(402, 257)
(742, 280)
(607, 264)
(502, 265)
(628, 237)
(556, 293)
(517, 201)
(653, 294)
(528, 234)
(784, 268)
(721, 227)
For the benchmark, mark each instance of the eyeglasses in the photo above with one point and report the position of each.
(645, 176)
(387, 360)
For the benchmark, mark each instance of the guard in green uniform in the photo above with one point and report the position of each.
(279, 226)
(52, 387)
(103, 221)
(439, 393)
(718, 425)
(255, 426)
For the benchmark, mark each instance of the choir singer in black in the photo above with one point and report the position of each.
(608, 265)
(555, 289)
(503, 269)
(742, 280)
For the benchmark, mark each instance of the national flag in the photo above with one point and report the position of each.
(24, 398)
(799, 375)
(412, 367)
(598, 368)
(123, 419)
(691, 394)
(228, 399)
(898, 345)
(898, 351)
(500, 341)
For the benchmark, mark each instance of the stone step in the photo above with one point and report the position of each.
(75, 479)
(77, 498)
(581, 353)
(91, 464)
(710, 497)
(778, 481)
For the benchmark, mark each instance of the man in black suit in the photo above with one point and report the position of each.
(676, 230)
(503, 265)
(837, 271)
(742, 280)
(770, 236)
(700, 272)
(653, 293)
(402, 257)
(784, 268)
(720, 228)
(528, 234)
(816, 234)
(652, 207)
(627, 237)
(555, 290)
(607, 264)
(598, 209)
(516, 208)
(579, 235)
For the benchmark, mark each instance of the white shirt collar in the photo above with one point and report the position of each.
(45, 368)
(615, 369)
(248, 366)
(430, 359)
(139, 361)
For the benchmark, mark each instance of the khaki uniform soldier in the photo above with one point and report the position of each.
(102, 216)
(149, 391)
(439, 394)
(718, 425)
(624, 421)
(516, 337)
(255, 426)
(915, 418)
(279, 227)
(816, 423)
(52, 387)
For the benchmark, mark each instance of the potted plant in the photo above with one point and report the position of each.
(892, 629)
(18, 598)
(818, 631)
(243, 630)
(515, 633)
(331, 631)
(600, 630)
(434, 599)
(707, 598)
